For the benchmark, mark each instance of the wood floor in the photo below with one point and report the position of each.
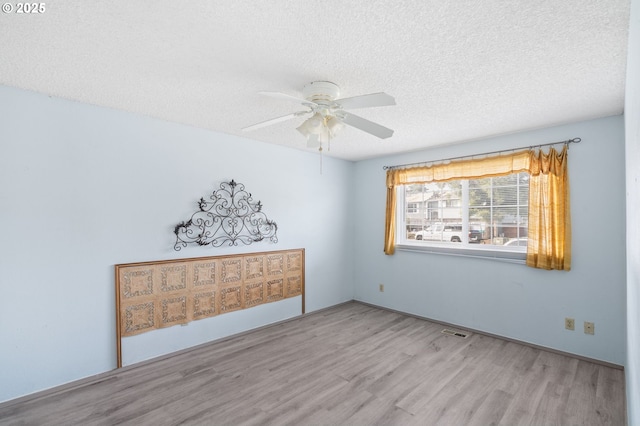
(352, 364)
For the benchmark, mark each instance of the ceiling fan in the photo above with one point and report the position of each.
(328, 114)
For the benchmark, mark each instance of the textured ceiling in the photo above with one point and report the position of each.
(459, 70)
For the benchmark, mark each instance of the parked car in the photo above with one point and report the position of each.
(476, 234)
(519, 242)
(449, 232)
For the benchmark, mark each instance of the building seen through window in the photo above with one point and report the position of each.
(489, 211)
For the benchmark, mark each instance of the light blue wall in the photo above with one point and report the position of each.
(632, 127)
(513, 300)
(83, 188)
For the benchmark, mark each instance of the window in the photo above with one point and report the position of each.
(483, 214)
(492, 211)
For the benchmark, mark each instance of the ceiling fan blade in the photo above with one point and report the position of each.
(365, 125)
(367, 101)
(274, 121)
(286, 97)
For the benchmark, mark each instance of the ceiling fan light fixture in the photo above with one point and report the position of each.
(334, 125)
(315, 123)
(325, 137)
(304, 130)
(313, 141)
(312, 126)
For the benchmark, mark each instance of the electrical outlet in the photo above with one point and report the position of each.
(569, 324)
(589, 328)
(381, 287)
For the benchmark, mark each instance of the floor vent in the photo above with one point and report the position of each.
(455, 333)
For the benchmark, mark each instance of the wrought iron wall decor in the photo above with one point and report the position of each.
(230, 217)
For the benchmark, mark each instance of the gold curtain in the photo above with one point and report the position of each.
(548, 249)
(549, 239)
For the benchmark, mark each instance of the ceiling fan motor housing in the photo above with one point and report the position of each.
(321, 91)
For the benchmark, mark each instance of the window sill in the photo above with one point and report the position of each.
(477, 253)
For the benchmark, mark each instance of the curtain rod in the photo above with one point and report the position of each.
(567, 142)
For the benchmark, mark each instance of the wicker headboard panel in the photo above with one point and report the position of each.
(153, 295)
